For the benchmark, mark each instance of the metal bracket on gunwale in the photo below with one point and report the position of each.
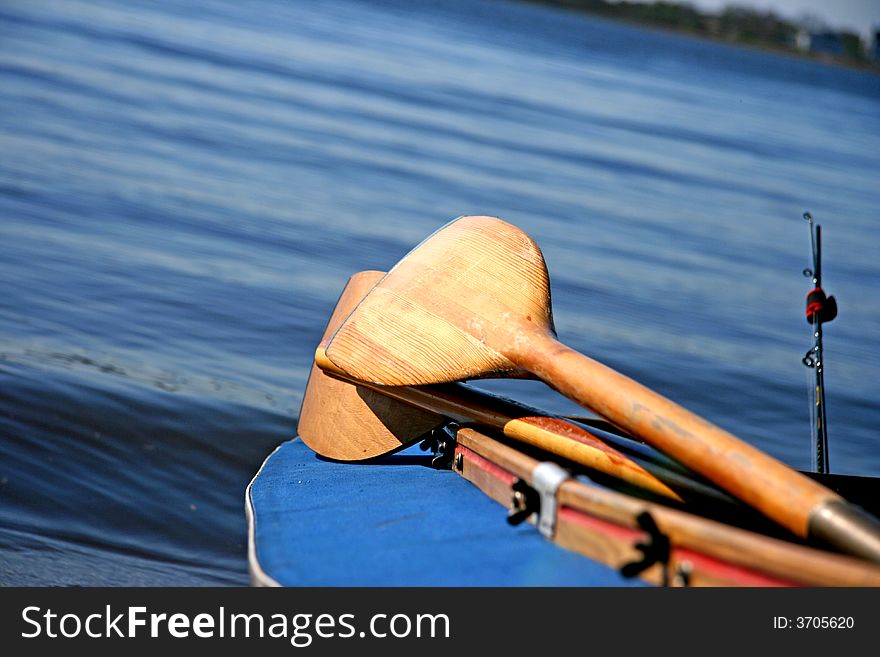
(441, 442)
(547, 477)
(538, 498)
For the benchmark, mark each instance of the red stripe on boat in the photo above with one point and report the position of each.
(486, 466)
(708, 564)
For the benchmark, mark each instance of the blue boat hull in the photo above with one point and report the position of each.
(394, 522)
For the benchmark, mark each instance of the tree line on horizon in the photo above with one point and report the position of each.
(736, 24)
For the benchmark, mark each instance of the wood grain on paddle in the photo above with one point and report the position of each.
(398, 337)
(474, 300)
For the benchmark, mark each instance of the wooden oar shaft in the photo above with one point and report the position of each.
(744, 471)
(523, 424)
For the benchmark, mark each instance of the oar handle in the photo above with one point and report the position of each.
(781, 493)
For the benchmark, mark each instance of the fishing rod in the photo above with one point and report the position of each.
(820, 309)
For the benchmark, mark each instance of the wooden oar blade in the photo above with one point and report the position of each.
(332, 420)
(436, 316)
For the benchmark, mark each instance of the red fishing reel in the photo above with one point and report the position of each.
(820, 307)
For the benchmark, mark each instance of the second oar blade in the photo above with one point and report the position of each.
(331, 417)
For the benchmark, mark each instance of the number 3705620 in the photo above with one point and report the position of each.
(814, 622)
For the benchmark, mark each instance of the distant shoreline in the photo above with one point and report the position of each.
(684, 20)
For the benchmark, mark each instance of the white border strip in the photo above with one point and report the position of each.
(258, 575)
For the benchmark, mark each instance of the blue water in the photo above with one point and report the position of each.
(184, 189)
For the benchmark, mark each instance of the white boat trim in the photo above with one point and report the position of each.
(259, 577)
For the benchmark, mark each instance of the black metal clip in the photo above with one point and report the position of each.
(441, 442)
(655, 549)
(524, 502)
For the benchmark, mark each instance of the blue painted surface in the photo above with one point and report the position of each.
(397, 522)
